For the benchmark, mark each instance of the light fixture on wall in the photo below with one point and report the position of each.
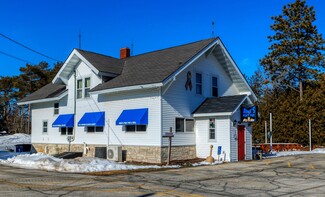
(234, 123)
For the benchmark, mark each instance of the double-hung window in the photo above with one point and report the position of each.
(66, 130)
(214, 86)
(184, 125)
(45, 126)
(95, 129)
(56, 108)
(212, 129)
(198, 81)
(87, 86)
(79, 88)
(135, 128)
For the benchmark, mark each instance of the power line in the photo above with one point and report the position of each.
(17, 58)
(28, 48)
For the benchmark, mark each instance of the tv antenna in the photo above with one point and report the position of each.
(79, 36)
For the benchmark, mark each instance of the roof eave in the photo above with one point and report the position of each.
(127, 88)
(198, 115)
(44, 100)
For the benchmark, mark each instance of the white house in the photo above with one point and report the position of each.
(114, 106)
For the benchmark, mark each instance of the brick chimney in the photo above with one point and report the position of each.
(124, 53)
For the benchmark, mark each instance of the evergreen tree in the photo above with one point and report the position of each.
(296, 52)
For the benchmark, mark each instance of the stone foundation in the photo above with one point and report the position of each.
(146, 154)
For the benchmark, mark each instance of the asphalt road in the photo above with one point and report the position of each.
(302, 175)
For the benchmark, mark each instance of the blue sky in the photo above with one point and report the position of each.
(52, 27)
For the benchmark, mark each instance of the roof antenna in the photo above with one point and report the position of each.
(79, 39)
(132, 46)
(212, 35)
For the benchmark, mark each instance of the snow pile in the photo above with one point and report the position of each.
(288, 153)
(9, 141)
(205, 163)
(81, 164)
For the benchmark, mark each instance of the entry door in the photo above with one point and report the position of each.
(241, 142)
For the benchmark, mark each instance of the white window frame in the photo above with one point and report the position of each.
(212, 86)
(184, 125)
(45, 127)
(85, 88)
(215, 130)
(56, 110)
(95, 129)
(67, 130)
(79, 88)
(201, 84)
(135, 129)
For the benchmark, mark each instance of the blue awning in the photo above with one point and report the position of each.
(64, 120)
(92, 119)
(133, 117)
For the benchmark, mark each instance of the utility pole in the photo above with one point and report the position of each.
(271, 134)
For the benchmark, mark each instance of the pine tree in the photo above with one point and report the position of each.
(296, 52)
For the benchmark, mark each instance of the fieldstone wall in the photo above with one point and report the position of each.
(178, 153)
(145, 154)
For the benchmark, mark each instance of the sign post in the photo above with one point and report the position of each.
(169, 134)
(271, 134)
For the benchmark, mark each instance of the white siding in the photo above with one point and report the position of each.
(115, 103)
(222, 137)
(179, 102)
(248, 133)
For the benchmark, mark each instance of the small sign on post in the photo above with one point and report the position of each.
(219, 152)
(169, 134)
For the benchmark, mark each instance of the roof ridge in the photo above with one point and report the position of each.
(96, 53)
(172, 47)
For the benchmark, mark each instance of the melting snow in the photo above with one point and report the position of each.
(9, 141)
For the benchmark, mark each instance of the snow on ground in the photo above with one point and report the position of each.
(81, 164)
(9, 141)
(288, 153)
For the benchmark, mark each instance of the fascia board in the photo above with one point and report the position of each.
(237, 69)
(177, 72)
(44, 100)
(240, 104)
(211, 114)
(72, 54)
(128, 88)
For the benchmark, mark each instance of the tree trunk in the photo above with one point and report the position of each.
(300, 90)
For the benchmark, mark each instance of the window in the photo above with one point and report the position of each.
(87, 87)
(212, 129)
(56, 108)
(95, 129)
(215, 86)
(79, 88)
(66, 130)
(198, 83)
(179, 124)
(184, 125)
(45, 126)
(189, 125)
(134, 128)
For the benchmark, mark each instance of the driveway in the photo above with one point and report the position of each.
(302, 175)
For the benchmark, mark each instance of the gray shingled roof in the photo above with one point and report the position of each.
(220, 104)
(155, 66)
(103, 63)
(49, 91)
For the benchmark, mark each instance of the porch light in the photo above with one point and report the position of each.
(234, 123)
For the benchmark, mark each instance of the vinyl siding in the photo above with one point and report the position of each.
(179, 102)
(222, 137)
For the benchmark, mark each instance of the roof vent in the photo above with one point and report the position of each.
(124, 52)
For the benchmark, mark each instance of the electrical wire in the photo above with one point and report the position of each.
(26, 47)
(17, 58)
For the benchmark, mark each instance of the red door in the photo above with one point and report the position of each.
(241, 143)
